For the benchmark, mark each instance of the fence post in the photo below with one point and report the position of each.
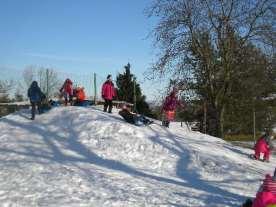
(47, 83)
(95, 89)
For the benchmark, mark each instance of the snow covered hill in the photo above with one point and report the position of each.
(73, 156)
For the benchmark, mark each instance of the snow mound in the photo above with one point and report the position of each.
(74, 156)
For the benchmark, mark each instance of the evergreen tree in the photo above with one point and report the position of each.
(126, 83)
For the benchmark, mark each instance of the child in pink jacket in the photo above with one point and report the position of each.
(169, 106)
(266, 197)
(263, 146)
(108, 93)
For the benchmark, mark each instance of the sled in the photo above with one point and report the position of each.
(252, 156)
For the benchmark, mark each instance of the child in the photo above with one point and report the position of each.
(266, 196)
(263, 146)
(35, 95)
(80, 96)
(133, 118)
(169, 107)
(108, 93)
(67, 91)
(267, 193)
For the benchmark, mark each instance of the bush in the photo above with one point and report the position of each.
(240, 137)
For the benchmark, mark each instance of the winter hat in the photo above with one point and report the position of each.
(68, 81)
(34, 84)
(108, 77)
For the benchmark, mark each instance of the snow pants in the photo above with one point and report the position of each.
(34, 104)
(68, 98)
(265, 153)
(108, 104)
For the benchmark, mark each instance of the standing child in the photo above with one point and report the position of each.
(35, 95)
(67, 91)
(108, 93)
(169, 107)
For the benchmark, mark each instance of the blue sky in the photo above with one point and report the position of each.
(76, 36)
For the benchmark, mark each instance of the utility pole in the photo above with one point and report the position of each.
(134, 94)
(95, 89)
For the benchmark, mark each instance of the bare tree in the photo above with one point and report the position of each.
(204, 39)
(47, 79)
(5, 87)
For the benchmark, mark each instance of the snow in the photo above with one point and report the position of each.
(74, 156)
(21, 103)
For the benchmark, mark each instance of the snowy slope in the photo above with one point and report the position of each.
(75, 156)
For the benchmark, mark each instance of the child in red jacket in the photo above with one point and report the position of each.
(67, 91)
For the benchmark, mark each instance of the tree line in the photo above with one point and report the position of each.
(223, 51)
(128, 88)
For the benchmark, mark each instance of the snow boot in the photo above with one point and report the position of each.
(247, 203)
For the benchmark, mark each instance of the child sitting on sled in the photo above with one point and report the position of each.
(263, 147)
(80, 96)
(133, 118)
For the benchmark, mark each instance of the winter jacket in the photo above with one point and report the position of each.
(171, 102)
(128, 116)
(267, 194)
(264, 199)
(80, 94)
(34, 93)
(262, 146)
(108, 92)
(67, 87)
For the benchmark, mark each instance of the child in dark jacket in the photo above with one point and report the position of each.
(35, 95)
(134, 118)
